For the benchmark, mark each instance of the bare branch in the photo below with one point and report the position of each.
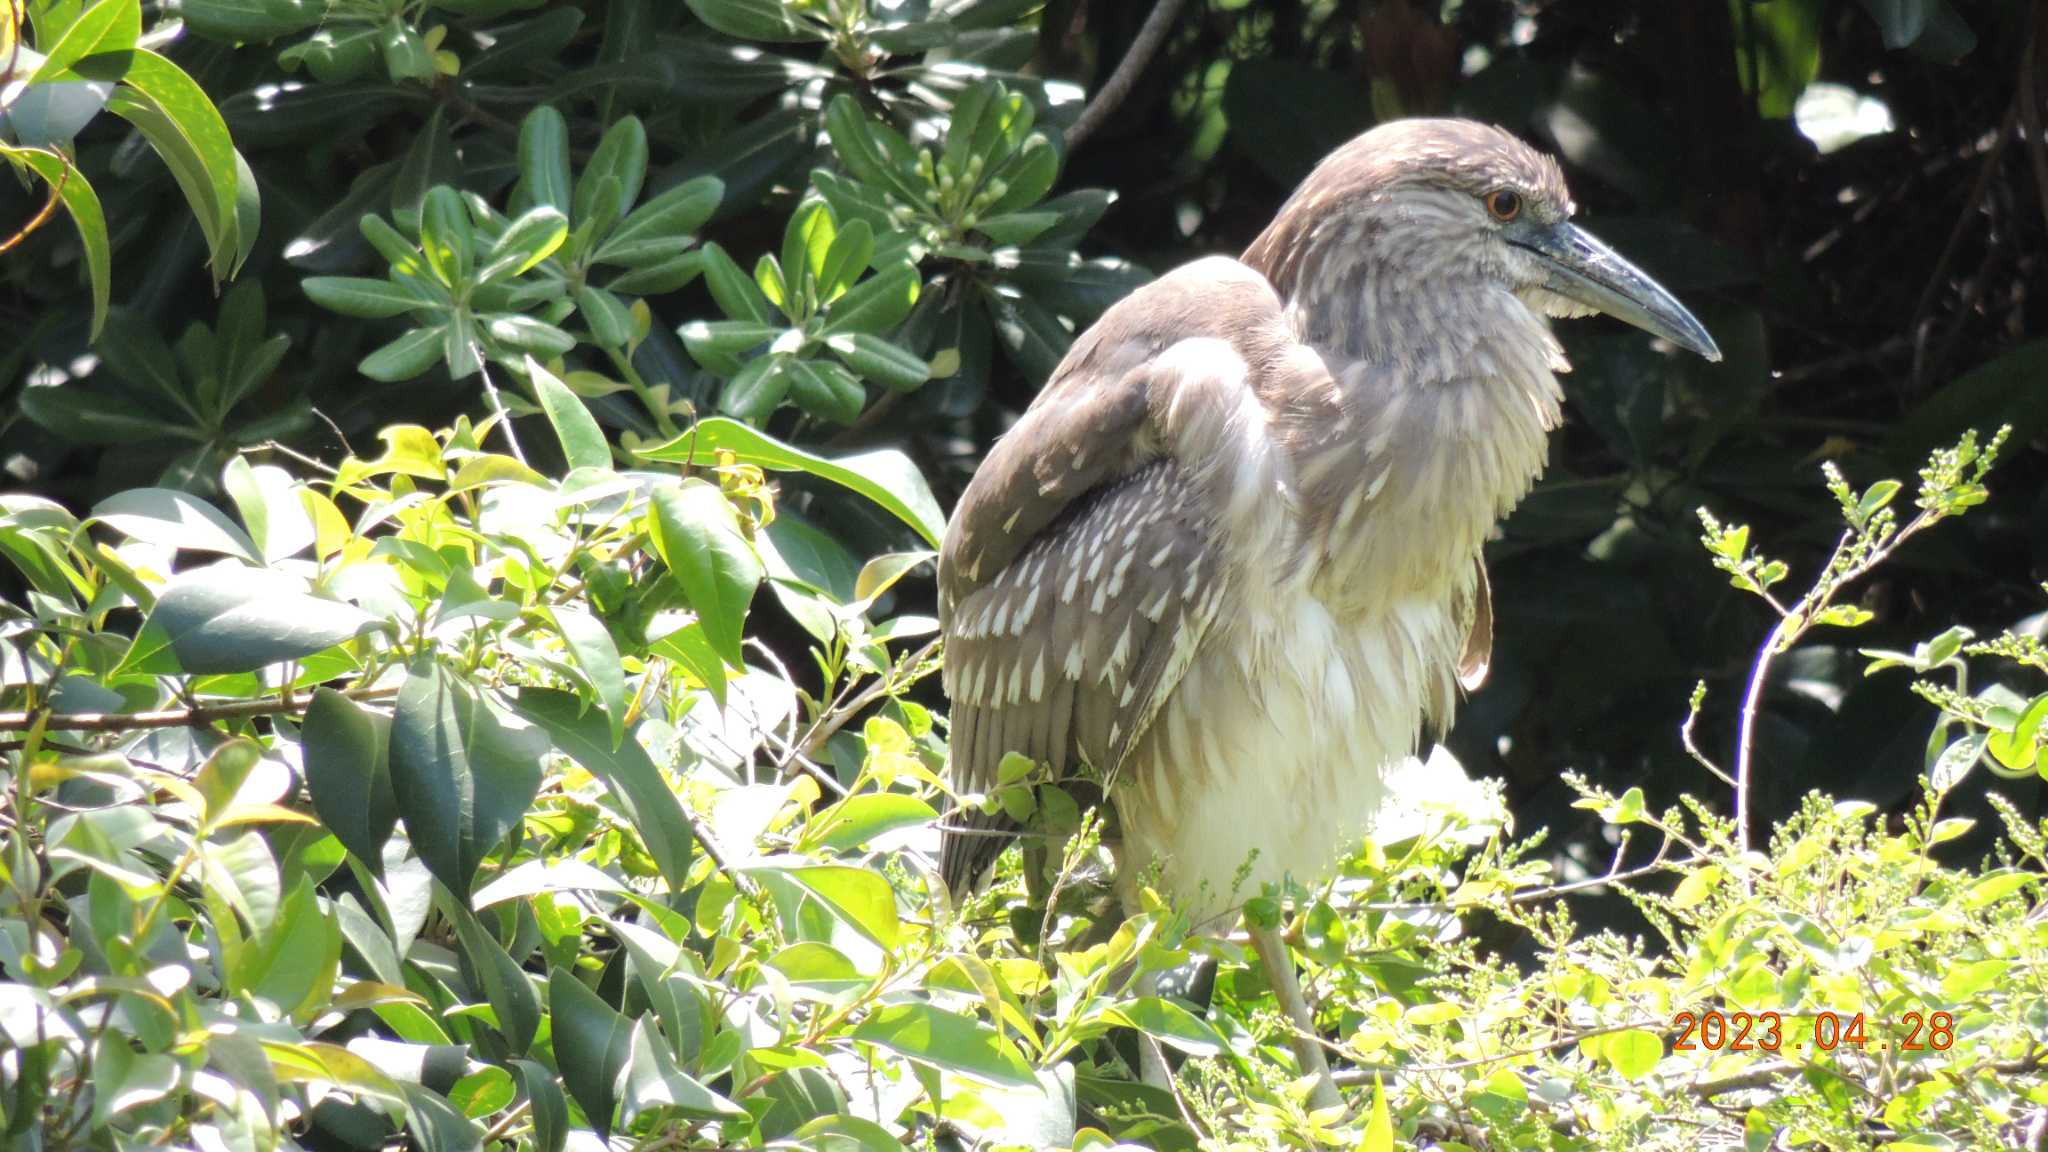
(1113, 91)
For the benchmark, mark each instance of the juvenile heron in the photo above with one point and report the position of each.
(1230, 557)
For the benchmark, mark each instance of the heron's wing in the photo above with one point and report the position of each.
(1080, 570)
(1069, 652)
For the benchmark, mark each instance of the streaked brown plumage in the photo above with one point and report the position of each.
(1230, 557)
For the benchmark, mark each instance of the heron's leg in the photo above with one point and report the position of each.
(1272, 950)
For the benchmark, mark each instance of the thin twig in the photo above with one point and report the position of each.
(2030, 110)
(835, 719)
(49, 207)
(177, 717)
(497, 402)
(1961, 229)
(1150, 36)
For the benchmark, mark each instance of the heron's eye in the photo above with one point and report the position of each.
(1504, 203)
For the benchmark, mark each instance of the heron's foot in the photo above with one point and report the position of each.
(1308, 1048)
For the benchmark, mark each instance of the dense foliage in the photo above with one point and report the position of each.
(468, 663)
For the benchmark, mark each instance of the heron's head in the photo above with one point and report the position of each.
(1418, 218)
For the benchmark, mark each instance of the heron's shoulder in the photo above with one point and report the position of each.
(1215, 298)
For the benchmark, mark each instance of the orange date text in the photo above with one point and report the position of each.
(1716, 1031)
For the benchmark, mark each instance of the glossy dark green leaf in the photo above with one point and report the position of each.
(228, 618)
(697, 535)
(826, 390)
(545, 1104)
(772, 21)
(878, 360)
(675, 215)
(611, 324)
(360, 297)
(463, 769)
(653, 1082)
(525, 242)
(583, 442)
(406, 55)
(346, 751)
(875, 305)
(887, 477)
(505, 985)
(621, 159)
(249, 20)
(174, 519)
(591, 1042)
(405, 357)
(734, 291)
(544, 160)
(756, 390)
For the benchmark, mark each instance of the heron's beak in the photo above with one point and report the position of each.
(1582, 269)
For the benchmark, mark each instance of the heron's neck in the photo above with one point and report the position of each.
(1438, 425)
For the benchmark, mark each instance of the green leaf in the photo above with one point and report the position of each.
(82, 204)
(228, 618)
(173, 113)
(406, 357)
(82, 416)
(592, 1044)
(869, 152)
(293, 963)
(591, 647)
(697, 535)
(772, 21)
(846, 259)
(445, 234)
(733, 290)
(1379, 1128)
(672, 217)
(174, 519)
(525, 242)
(887, 477)
(880, 361)
(249, 20)
(825, 390)
(861, 898)
(875, 305)
(504, 983)
(346, 749)
(627, 772)
(1173, 1024)
(108, 26)
(463, 770)
(806, 243)
(546, 1105)
(544, 159)
(946, 1040)
(1632, 1053)
(406, 55)
(859, 819)
(621, 156)
(583, 442)
(611, 325)
(653, 1082)
(360, 297)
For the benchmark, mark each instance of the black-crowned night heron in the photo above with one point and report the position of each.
(1230, 557)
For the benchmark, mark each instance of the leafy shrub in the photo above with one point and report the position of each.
(460, 794)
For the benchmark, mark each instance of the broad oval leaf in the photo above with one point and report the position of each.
(696, 534)
(345, 748)
(463, 770)
(229, 618)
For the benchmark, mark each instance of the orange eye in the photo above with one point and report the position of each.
(1504, 203)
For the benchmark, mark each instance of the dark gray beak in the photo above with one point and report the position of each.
(1582, 269)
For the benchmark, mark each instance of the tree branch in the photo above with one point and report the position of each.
(1113, 91)
(178, 717)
